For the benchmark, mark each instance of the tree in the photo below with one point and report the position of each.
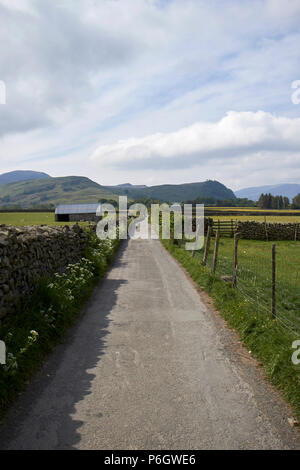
(296, 202)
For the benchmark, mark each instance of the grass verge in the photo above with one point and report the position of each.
(262, 335)
(39, 324)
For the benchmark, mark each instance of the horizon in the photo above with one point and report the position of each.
(161, 184)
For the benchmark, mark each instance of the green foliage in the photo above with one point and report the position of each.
(296, 202)
(267, 201)
(43, 318)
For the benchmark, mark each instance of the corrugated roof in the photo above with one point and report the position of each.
(76, 209)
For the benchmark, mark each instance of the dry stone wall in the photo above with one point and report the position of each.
(262, 231)
(29, 253)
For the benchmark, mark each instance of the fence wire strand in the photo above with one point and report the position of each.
(254, 276)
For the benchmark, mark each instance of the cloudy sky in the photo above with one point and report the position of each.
(152, 91)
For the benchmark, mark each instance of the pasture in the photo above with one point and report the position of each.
(283, 219)
(253, 214)
(254, 275)
(31, 218)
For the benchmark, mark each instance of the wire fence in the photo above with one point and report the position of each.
(271, 286)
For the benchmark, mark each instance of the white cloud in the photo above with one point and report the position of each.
(235, 135)
(103, 75)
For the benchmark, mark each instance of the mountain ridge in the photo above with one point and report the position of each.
(178, 192)
(50, 191)
(21, 175)
(289, 190)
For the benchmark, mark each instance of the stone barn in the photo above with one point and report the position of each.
(76, 213)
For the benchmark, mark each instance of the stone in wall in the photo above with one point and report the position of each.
(261, 231)
(29, 253)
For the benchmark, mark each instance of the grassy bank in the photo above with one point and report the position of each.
(264, 336)
(40, 323)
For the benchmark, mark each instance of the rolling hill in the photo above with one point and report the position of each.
(287, 190)
(23, 175)
(49, 191)
(176, 192)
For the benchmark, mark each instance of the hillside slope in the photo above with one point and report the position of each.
(51, 191)
(23, 175)
(253, 193)
(178, 192)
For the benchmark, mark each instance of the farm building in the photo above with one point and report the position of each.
(76, 213)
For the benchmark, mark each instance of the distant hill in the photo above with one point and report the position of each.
(23, 175)
(176, 192)
(128, 185)
(287, 190)
(52, 191)
(48, 192)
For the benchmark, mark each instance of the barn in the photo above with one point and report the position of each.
(76, 213)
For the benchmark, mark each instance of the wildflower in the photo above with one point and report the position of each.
(34, 333)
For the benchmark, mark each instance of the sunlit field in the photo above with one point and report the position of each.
(283, 219)
(255, 275)
(249, 209)
(262, 216)
(31, 218)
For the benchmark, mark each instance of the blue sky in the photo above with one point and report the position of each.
(151, 92)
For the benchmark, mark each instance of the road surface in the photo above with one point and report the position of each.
(148, 366)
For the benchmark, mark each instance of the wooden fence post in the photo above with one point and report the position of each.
(235, 260)
(207, 245)
(216, 248)
(274, 280)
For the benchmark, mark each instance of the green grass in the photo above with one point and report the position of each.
(41, 321)
(270, 219)
(31, 218)
(247, 308)
(27, 218)
(47, 218)
(249, 209)
(255, 275)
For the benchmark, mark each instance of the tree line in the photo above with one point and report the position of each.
(267, 201)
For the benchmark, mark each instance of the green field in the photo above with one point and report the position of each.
(30, 218)
(249, 209)
(271, 219)
(246, 214)
(255, 275)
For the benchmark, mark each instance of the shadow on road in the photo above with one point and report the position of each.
(42, 417)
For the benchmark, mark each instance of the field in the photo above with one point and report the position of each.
(248, 209)
(30, 218)
(246, 214)
(284, 219)
(255, 275)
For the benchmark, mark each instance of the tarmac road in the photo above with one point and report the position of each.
(149, 366)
